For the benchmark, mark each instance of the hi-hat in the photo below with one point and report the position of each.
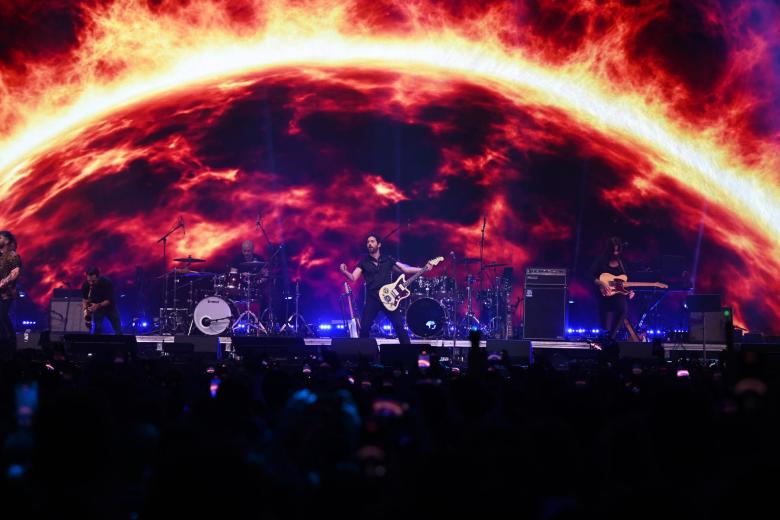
(494, 264)
(467, 260)
(189, 260)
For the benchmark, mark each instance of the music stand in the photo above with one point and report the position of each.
(703, 303)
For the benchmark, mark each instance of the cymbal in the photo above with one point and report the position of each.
(494, 264)
(467, 260)
(253, 263)
(189, 260)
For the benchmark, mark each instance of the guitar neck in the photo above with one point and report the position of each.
(640, 284)
(414, 276)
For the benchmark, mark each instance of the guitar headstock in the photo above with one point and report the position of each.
(661, 285)
(436, 261)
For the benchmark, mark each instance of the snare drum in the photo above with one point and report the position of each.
(229, 284)
(442, 284)
(422, 286)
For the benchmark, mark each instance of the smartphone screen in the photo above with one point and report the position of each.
(214, 386)
(424, 360)
(26, 402)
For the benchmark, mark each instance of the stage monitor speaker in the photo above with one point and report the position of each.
(65, 312)
(641, 350)
(356, 348)
(406, 356)
(105, 347)
(544, 312)
(518, 350)
(288, 348)
(204, 345)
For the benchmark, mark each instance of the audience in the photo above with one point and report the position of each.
(164, 438)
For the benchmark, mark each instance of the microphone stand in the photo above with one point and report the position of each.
(271, 286)
(164, 240)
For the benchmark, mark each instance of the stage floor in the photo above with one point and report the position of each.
(460, 343)
(210, 343)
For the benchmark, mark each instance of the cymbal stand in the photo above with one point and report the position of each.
(248, 316)
(296, 316)
(164, 240)
(469, 320)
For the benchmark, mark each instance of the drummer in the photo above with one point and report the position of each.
(239, 263)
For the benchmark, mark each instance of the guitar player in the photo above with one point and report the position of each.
(612, 309)
(378, 270)
(99, 301)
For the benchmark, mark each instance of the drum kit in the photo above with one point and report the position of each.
(218, 303)
(434, 309)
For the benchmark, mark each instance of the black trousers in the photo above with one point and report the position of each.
(112, 315)
(370, 311)
(7, 332)
(612, 312)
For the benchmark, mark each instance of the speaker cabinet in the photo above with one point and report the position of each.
(66, 314)
(279, 348)
(544, 312)
(709, 325)
(350, 348)
(518, 350)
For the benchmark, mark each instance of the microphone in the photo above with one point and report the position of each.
(484, 221)
(257, 222)
(181, 223)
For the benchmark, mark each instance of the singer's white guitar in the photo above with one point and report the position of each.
(392, 293)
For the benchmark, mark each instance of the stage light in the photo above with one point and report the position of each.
(325, 326)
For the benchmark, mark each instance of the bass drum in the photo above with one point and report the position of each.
(214, 315)
(426, 318)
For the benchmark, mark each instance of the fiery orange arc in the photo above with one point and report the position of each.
(162, 53)
(695, 163)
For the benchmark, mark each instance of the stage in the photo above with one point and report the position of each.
(219, 345)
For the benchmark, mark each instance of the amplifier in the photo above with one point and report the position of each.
(545, 276)
(544, 312)
(66, 314)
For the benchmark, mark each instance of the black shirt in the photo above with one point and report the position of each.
(102, 291)
(238, 260)
(601, 265)
(378, 273)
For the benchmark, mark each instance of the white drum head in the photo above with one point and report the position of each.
(213, 315)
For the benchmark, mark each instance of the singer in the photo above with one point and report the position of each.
(379, 269)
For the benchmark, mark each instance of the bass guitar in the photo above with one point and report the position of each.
(87, 314)
(391, 294)
(620, 285)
